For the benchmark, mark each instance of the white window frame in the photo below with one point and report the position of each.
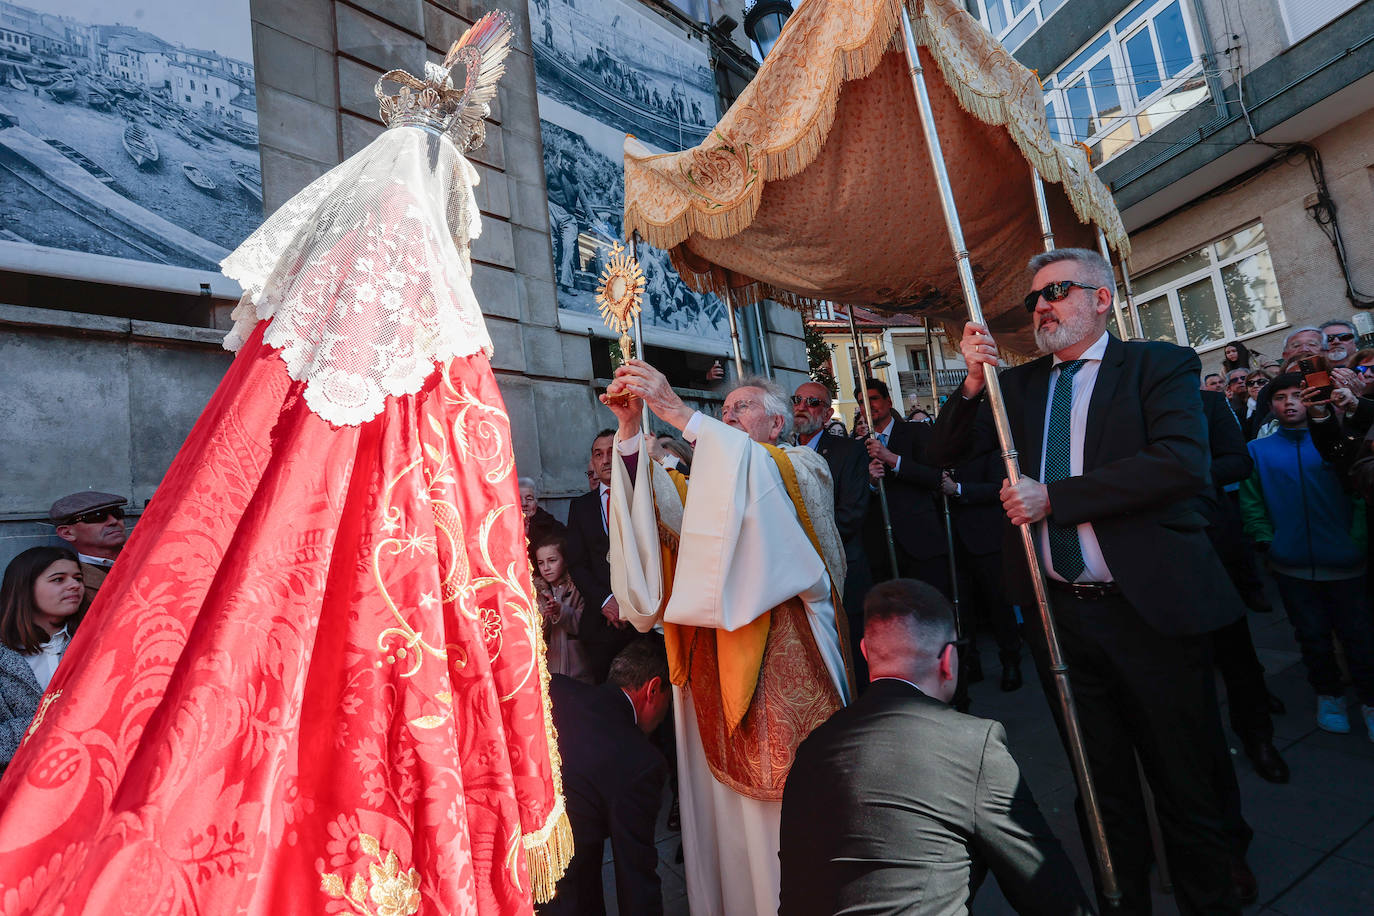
(1212, 270)
(1058, 83)
(1033, 10)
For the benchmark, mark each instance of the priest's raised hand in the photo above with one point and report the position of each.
(644, 381)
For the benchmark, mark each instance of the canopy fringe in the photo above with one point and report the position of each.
(1000, 92)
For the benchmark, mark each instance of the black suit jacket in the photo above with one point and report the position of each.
(1145, 463)
(917, 527)
(977, 511)
(848, 462)
(613, 780)
(900, 804)
(590, 567)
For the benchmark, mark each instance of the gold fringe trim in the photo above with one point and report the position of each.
(937, 25)
(548, 853)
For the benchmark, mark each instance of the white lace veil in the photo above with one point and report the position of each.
(365, 277)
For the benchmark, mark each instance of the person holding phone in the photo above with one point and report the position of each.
(1296, 509)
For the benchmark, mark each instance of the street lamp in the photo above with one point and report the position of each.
(763, 23)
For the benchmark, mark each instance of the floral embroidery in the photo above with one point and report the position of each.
(394, 891)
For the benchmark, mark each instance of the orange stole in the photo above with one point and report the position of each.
(760, 690)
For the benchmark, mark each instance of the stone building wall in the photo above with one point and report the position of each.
(88, 401)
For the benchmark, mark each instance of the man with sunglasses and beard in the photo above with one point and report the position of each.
(93, 523)
(1115, 456)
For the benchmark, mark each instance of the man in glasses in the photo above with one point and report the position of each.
(811, 410)
(742, 565)
(1339, 339)
(1115, 456)
(93, 523)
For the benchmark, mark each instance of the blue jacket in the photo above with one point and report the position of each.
(1294, 502)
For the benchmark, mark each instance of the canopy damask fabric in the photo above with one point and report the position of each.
(817, 184)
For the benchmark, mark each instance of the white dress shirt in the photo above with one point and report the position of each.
(95, 561)
(814, 443)
(1094, 564)
(44, 661)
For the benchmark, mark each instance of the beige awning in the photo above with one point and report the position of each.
(817, 184)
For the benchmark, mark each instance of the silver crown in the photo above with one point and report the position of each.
(434, 104)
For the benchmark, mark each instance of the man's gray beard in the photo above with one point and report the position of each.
(1075, 329)
(802, 433)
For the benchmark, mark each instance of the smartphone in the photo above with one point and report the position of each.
(1312, 377)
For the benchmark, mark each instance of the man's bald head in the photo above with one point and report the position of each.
(909, 634)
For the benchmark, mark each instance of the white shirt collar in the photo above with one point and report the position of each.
(95, 561)
(56, 644)
(888, 677)
(602, 489)
(634, 712)
(1096, 351)
(887, 430)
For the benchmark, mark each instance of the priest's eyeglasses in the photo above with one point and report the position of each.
(738, 408)
(812, 401)
(1054, 292)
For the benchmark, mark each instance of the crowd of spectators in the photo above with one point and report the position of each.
(1292, 451)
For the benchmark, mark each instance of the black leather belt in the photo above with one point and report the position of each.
(1085, 590)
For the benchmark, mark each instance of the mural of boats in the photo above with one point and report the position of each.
(140, 146)
(249, 178)
(63, 87)
(185, 134)
(198, 178)
(649, 125)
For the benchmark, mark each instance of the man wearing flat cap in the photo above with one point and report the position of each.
(94, 525)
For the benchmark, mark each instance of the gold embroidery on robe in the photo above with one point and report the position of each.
(772, 688)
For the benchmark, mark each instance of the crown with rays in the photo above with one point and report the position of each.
(436, 103)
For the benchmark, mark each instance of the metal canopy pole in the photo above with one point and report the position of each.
(944, 497)
(1130, 300)
(1116, 300)
(1042, 209)
(1069, 713)
(734, 331)
(763, 337)
(645, 416)
(862, 397)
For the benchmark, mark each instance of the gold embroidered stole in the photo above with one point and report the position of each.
(759, 690)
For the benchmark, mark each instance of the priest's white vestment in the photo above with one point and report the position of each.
(742, 550)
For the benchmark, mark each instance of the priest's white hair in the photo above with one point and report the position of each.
(776, 402)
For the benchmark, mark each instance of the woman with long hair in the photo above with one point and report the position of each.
(40, 606)
(1235, 356)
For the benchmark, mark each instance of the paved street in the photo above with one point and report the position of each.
(1314, 838)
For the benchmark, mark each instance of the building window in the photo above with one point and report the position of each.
(1013, 21)
(1217, 293)
(1144, 70)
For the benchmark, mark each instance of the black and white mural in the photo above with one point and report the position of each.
(128, 132)
(604, 69)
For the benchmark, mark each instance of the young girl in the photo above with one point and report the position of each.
(40, 604)
(562, 605)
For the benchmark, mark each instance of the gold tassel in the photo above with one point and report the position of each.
(548, 858)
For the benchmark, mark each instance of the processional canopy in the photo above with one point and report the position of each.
(817, 185)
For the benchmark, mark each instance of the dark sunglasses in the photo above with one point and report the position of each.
(1257, 383)
(1343, 338)
(96, 516)
(812, 401)
(1054, 292)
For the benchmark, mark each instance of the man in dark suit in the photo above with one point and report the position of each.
(811, 410)
(612, 780)
(1115, 453)
(898, 453)
(973, 490)
(601, 631)
(899, 804)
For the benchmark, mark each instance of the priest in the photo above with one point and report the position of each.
(755, 630)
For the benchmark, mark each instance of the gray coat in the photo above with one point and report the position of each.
(19, 696)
